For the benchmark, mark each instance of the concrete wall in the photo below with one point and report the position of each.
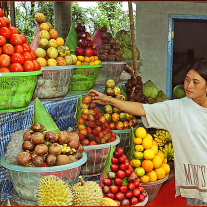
(152, 23)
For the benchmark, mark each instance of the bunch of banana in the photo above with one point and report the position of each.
(162, 137)
(168, 152)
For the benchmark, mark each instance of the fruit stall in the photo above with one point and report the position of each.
(52, 134)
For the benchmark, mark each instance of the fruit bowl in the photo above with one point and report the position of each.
(25, 179)
(54, 82)
(97, 155)
(110, 70)
(16, 90)
(153, 188)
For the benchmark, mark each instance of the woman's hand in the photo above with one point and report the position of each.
(98, 97)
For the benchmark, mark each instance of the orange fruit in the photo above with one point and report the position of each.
(139, 148)
(147, 143)
(92, 58)
(140, 132)
(166, 167)
(152, 175)
(137, 140)
(149, 136)
(154, 143)
(139, 171)
(154, 149)
(50, 25)
(138, 155)
(135, 163)
(147, 165)
(95, 57)
(53, 34)
(144, 179)
(60, 41)
(148, 154)
(44, 26)
(91, 62)
(86, 59)
(157, 162)
(78, 62)
(80, 58)
(160, 153)
(97, 62)
(160, 173)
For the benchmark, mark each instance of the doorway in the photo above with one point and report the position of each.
(187, 43)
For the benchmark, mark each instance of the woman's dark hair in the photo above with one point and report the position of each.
(200, 68)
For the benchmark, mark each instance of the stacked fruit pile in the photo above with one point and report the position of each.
(86, 51)
(92, 127)
(51, 51)
(110, 50)
(148, 162)
(164, 141)
(120, 182)
(42, 148)
(15, 52)
(115, 117)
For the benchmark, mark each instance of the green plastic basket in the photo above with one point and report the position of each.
(16, 90)
(83, 78)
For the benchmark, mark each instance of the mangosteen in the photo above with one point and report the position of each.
(105, 41)
(101, 51)
(112, 41)
(103, 29)
(37, 127)
(106, 47)
(38, 161)
(41, 149)
(110, 58)
(63, 137)
(27, 136)
(51, 136)
(63, 160)
(118, 58)
(117, 53)
(24, 158)
(139, 78)
(28, 145)
(102, 57)
(140, 83)
(51, 160)
(109, 35)
(134, 82)
(55, 149)
(104, 35)
(111, 51)
(37, 138)
(115, 46)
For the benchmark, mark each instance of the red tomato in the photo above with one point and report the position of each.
(4, 60)
(0, 50)
(4, 70)
(2, 40)
(8, 22)
(6, 32)
(8, 49)
(16, 67)
(15, 39)
(14, 30)
(33, 53)
(1, 12)
(37, 66)
(28, 66)
(27, 56)
(2, 22)
(26, 47)
(18, 49)
(24, 39)
(17, 58)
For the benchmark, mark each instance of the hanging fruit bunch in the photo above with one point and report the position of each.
(164, 141)
(110, 50)
(86, 51)
(15, 52)
(92, 126)
(117, 119)
(52, 50)
(145, 158)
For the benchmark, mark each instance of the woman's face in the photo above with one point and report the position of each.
(195, 86)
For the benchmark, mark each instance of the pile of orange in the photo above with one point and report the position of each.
(85, 60)
(148, 161)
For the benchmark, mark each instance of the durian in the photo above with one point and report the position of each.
(108, 202)
(52, 191)
(87, 193)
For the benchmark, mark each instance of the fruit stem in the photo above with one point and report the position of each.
(81, 180)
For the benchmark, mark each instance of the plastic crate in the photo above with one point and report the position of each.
(153, 188)
(110, 70)
(96, 157)
(16, 90)
(25, 179)
(83, 78)
(54, 82)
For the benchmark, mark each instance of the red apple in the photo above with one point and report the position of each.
(129, 194)
(114, 167)
(127, 173)
(118, 181)
(141, 189)
(126, 162)
(95, 51)
(114, 160)
(107, 181)
(131, 186)
(119, 196)
(134, 201)
(89, 43)
(120, 150)
(136, 182)
(110, 195)
(123, 188)
(121, 174)
(122, 166)
(81, 35)
(136, 192)
(82, 43)
(88, 51)
(111, 175)
(79, 51)
(122, 158)
(116, 154)
(125, 202)
(105, 189)
(141, 198)
(114, 189)
(80, 28)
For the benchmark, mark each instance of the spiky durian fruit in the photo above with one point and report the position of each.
(87, 193)
(52, 191)
(108, 202)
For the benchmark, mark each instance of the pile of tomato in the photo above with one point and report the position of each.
(15, 52)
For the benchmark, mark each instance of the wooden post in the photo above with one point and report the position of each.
(134, 55)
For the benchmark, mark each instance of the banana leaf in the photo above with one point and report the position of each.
(78, 108)
(72, 39)
(131, 144)
(123, 92)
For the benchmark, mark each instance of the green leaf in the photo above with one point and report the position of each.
(125, 181)
(40, 115)
(131, 144)
(123, 92)
(78, 108)
(72, 39)
(108, 161)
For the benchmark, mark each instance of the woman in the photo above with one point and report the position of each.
(186, 120)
